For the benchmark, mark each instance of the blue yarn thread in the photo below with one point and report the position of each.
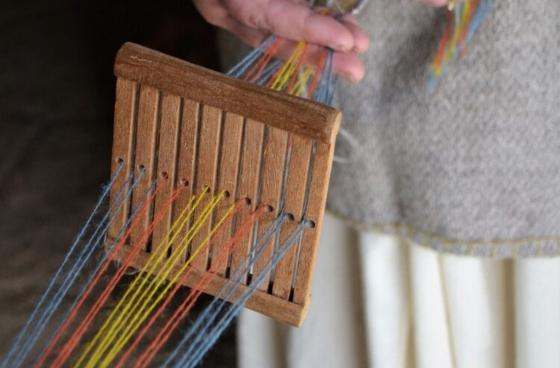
(17, 342)
(240, 68)
(238, 277)
(324, 91)
(481, 12)
(100, 263)
(74, 271)
(207, 339)
(268, 72)
(331, 79)
(220, 306)
(63, 290)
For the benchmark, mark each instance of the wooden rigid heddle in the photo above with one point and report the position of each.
(188, 126)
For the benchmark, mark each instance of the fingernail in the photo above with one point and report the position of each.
(341, 47)
(349, 77)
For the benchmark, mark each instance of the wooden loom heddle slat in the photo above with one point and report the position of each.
(230, 148)
(206, 170)
(248, 183)
(145, 153)
(168, 146)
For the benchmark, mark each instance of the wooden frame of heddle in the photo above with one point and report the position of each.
(196, 128)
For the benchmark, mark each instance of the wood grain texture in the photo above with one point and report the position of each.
(230, 151)
(186, 157)
(176, 76)
(145, 157)
(123, 139)
(268, 304)
(316, 208)
(248, 184)
(166, 164)
(206, 170)
(271, 190)
(298, 166)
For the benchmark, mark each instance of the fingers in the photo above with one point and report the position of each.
(349, 66)
(361, 38)
(294, 21)
(212, 11)
(216, 14)
(248, 35)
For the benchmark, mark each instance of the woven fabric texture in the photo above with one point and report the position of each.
(473, 168)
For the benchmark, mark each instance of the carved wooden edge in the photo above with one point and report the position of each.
(311, 239)
(272, 306)
(294, 114)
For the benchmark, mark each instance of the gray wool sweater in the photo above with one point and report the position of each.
(473, 168)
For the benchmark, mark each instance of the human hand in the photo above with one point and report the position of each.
(253, 20)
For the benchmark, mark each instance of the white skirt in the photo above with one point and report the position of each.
(380, 302)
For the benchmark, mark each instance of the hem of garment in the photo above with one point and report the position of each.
(534, 246)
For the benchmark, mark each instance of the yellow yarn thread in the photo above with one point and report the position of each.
(133, 327)
(140, 300)
(182, 219)
(299, 88)
(461, 18)
(466, 12)
(288, 68)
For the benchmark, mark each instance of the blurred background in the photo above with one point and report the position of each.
(56, 117)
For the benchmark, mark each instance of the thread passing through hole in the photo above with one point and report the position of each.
(291, 296)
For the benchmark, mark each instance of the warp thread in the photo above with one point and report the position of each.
(461, 24)
(136, 248)
(35, 326)
(205, 339)
(101, 266)
(111, 254)
(163, 274)
(182, 311)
